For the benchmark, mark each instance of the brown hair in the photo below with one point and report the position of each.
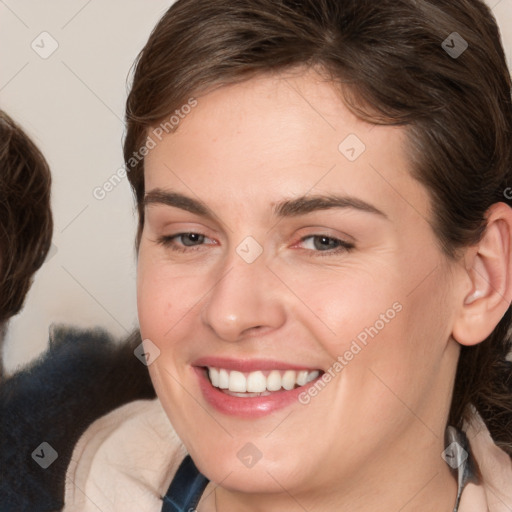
(26, 224)
(393, 67)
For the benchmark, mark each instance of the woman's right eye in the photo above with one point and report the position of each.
(183, 242)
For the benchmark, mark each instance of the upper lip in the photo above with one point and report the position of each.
(249, 365)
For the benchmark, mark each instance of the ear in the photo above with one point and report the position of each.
(488, 294)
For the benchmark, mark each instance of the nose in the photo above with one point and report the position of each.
(244, 301)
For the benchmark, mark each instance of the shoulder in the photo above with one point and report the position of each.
(493, 492)
(124, 461)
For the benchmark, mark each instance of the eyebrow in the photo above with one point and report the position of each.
(287, 208)
(177, 200)
(307, 204)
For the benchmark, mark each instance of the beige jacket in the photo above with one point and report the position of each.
(126, 460)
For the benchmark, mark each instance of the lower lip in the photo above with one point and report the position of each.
(250, 407)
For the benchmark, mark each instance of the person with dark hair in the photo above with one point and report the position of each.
(26, 223)
(45, 404)
(324, 263)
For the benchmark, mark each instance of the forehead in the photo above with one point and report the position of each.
(284, 136)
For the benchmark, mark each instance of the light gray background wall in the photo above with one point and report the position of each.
(71, 102)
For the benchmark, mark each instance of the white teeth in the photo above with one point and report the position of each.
(257, 382)
(223, 379)
(237, 382)
(214, 376)
(312, 376)
(288, 380)
(302, 377)
(274, 381)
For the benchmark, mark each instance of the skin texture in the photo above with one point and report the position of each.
(372, 438)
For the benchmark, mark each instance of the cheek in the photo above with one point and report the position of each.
(400, 365)
(348, 304)
(164, 297)
(373, 325)
(164, 312)
(153, 302)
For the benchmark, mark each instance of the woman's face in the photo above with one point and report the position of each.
(285, 240)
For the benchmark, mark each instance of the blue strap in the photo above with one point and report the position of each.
(466, 471)
(186, 488)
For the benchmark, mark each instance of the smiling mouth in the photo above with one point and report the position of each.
(259, 382)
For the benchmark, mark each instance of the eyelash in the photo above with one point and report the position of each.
(343, 246)
(169, 242)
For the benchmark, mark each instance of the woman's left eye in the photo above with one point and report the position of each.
(323, 243)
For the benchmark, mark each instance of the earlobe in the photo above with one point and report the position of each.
(490, 274)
